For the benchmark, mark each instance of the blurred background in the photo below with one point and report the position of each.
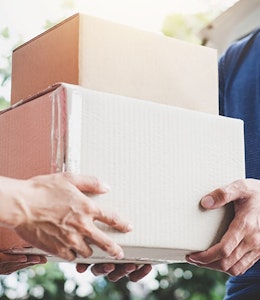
(211, 23)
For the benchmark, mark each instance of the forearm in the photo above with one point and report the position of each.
(12, 203)
(52, 213)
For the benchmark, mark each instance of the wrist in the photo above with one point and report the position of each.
(12, 202)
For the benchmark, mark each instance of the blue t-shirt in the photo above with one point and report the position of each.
(239, 84)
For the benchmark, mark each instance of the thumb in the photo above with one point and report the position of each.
(87, 184)
(221, 196)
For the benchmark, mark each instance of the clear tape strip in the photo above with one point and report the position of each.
(74, 134)
(58, 130)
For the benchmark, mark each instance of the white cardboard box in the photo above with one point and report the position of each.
(103, 55)
(159, 161)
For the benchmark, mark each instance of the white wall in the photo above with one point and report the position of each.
(233, 24)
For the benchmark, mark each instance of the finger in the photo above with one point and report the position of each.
(99, 238)
(43, 260)
(113, 220)
(241, 258)
(102, 269)
(76, 243)
(87, 184)
(140, 273)
(245, 263)
(81, 268)
(229, 242)
(237, 190)
(121, 271)
(36, 259)
(53, 245)
(238, 268)
(12, 258)
(237, 257)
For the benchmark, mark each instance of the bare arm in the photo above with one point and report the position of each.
(52, 213)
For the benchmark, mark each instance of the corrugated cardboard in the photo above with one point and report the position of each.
(102, 55)
(159, 160)
(25, 149)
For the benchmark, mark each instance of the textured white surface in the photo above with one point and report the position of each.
(159, 161)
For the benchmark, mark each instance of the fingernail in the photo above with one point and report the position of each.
(188, 258)
(193, 260)
(120, 255)
(35, 260)
(43, 260)
(130, 227)
(23, 259)
(109, 268)
(208, 202)
(104, 187)
(130, 268)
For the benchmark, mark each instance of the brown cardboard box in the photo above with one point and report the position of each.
(159, 160)
(110, 57)
(25, 149)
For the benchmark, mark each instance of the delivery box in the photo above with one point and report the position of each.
(159, 161)
(110, 57)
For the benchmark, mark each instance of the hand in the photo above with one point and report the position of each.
(10, 263)
(114, 272)
(55, 216)
(239, 248)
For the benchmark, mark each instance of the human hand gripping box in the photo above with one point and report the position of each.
(106, 56)
(159, 161)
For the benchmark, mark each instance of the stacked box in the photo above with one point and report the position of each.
(159, 160)
(110, 57)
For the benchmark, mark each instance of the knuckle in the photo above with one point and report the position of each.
(249, 226)
(221, 194)
(66, 254)
(87, 252)
(94, 182)
(224, 193)
(232, 272)
(72, 241)
(224, 265)
(66, 175)
(91, 208)
(109, 247)
(71, 255)
(88, 235)
(243, 186)
(112, 217)
(225, 251)
(115, 220)
(254, 241)
(235, 270)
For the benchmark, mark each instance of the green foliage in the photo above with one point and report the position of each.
(66, 5)
(5, 71)
(179, 282)
(3, 103)
(5, 33)
(186, 27)
(5, 62)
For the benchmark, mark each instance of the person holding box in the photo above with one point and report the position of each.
(238, 252)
